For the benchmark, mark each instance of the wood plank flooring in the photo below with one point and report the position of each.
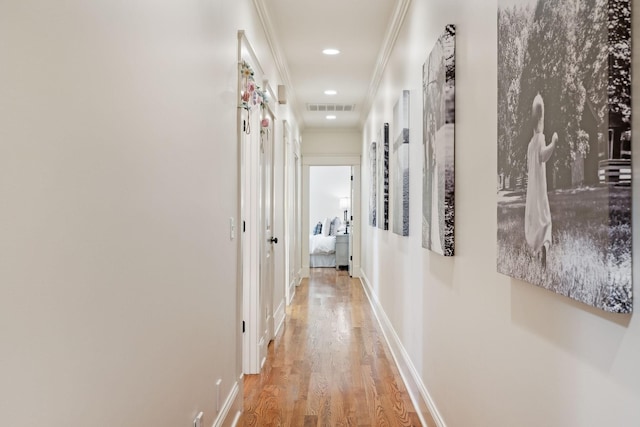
(329, 366)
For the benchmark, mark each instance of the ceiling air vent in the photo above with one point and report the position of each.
(331, 107)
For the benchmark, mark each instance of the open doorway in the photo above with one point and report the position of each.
(329, 215)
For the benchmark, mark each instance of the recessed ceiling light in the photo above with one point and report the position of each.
(330, 92)
(331, 117)
(331, 51)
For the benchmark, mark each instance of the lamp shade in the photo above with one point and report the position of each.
(345, 203)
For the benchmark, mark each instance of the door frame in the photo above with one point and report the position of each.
(292, 208)
(249, 305)
(355, 226)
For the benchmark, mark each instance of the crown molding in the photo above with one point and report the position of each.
(281, 63)
(389, 42)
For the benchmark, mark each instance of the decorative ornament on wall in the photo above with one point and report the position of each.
(251, 95)
(400, 163)
(438, 188)
(564, 148)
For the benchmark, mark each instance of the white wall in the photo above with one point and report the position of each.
(331, 142)
(327, 185)
(491, 350)
(118, 176)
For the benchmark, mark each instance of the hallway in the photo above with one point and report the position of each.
(329, 365)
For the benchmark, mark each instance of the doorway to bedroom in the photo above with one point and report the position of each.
(329, 216)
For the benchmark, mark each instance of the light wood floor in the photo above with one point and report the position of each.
(329, 366)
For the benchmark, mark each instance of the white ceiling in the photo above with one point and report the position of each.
(361, 29)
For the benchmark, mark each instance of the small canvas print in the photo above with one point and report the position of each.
(564, 148)
(438, 188)
(373, 185)
(383, 178)
(401, 165)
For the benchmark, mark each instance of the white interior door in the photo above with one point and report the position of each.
(291, 239)
(256, 207)
(267, 239)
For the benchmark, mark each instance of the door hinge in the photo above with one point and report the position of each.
(243, 326)
(351, 258)
(351, 177)
(244, 226)
(244, 126)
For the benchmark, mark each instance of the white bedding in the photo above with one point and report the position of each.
(321, 245)
(321, 260)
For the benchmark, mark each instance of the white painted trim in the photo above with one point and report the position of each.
(305, 271)
(352, 160)
(233, 401)
(331, 160)
(418, 392)
(278, 317)
(292, 289)
(389, 42)
(250, 212)
(280, 61)
(287, 205)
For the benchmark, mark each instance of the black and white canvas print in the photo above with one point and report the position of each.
(400, 169)
(383, 178)
(438, 129)
(564, 148)
(373, 185)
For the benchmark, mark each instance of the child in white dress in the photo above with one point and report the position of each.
(537, 215)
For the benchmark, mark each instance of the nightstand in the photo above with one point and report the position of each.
(342, 250)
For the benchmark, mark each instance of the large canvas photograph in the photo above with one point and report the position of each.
(438, 187)
(400, 158)
(373, 185)
(564, 148)
(383, 178)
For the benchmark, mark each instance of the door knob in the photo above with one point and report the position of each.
(274, 240)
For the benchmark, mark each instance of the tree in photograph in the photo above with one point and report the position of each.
(591, 39)
(551, 68)
(619, 15)
(513, 35)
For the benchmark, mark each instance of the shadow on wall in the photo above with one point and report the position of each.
(573, 326)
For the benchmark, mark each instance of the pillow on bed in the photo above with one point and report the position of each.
(326, 227)
(317, 229)
(335, 226)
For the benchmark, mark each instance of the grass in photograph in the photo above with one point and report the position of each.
(590, 257)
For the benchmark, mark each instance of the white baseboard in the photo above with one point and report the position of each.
(278, 318)
(304, 271)
(415, 386)
(355, 271)
(231, 409)
(292, 289)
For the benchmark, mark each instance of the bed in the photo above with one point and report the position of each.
(322, 242)
(322, 251)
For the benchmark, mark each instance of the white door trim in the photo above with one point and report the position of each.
(250, 221)
(331, 160)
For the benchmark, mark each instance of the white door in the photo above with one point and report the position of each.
(256, 208)
(267, 239)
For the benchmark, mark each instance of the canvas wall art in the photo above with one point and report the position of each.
(564, 148)
(383, 178)
(438, 190)
(400, 195)
(373, 184)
